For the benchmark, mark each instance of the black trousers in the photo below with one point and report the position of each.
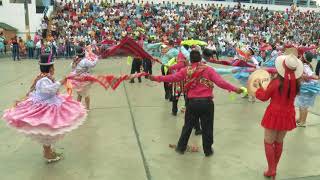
(203, 109)
(135, 67)
(147, 66)
(318, 68)
(167, 87)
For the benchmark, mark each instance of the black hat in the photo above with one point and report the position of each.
(308, 56)
(46, 60)
(80, 52)
(251, 50)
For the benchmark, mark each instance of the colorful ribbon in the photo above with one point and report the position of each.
(106, 81)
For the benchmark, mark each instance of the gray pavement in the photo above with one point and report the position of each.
(127, 133)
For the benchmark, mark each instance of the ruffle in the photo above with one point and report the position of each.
(47, 119)
(310, 88)
(271, 62)
(280, 119)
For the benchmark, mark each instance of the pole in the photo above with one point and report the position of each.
(26, 17)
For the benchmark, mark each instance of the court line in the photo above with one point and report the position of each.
(145, 163)
(300, 178)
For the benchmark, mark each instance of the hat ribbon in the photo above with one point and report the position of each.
(289, 84)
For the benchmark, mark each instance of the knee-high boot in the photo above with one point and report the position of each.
(270, 155)
(277, 152)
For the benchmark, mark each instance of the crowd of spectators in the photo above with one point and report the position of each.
(225, 26)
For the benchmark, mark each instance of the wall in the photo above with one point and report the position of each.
(13, 14)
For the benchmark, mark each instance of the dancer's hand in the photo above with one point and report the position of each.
(63, 81)
(151, 78)
(239, 91)
(257, 83)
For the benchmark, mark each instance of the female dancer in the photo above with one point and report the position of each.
(44, 115)
(310, 88)
(242, 75)
(81, 66)
(279, 117)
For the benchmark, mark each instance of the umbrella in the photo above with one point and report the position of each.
(194, 42)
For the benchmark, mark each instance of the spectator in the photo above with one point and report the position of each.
(30, 47)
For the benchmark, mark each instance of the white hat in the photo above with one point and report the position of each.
(291, 62)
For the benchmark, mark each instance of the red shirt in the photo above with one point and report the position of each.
(199, 90)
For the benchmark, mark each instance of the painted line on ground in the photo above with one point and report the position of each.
(145, 163)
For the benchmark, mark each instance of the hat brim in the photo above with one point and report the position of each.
(281, 70)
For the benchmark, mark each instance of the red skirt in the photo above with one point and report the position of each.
(280, 119)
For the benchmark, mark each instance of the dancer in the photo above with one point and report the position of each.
(81, 66)
(167, 54)
(317, 70)
(242, 75)
(44, 115)
(199, 85)
(309, 90)
(136, 68)
(279, 116)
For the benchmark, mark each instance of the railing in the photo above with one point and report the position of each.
(60, 53)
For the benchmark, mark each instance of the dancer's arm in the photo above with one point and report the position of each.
(49, 87)
(88, 63)
(177, 77)
(219, 81)
(224, 71)
(265, 94)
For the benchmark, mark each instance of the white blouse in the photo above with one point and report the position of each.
(46, 92)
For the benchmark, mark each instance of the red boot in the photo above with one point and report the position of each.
(277, 152)
(270, 155)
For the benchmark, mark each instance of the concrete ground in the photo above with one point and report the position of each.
(127, 133)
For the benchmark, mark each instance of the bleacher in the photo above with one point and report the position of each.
(299, 3)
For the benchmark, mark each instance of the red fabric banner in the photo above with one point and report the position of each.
(106, 81)
(128, 46)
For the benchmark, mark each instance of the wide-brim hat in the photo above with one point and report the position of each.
(264, 78)
(292, 63)
(46, 60)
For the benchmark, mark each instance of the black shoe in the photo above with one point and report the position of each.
(209, 154)
(198, 132)
(131, 81)
(139, 79)
(179, 151)
(174, 113)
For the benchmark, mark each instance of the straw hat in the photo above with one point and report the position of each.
(263, 76)
(292, 62)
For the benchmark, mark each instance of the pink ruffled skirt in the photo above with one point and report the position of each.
(46, 122)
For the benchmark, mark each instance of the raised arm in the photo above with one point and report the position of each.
(265, 94)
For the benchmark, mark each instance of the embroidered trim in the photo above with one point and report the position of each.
(206, 82)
